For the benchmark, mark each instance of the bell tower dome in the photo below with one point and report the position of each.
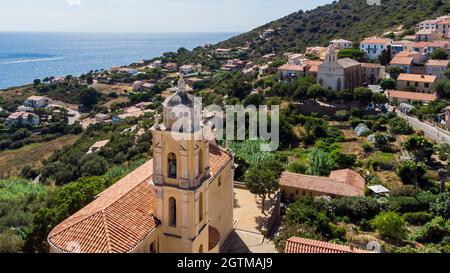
(181, 171)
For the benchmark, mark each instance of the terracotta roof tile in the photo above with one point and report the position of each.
(444, 63)
(402, 60)
(416, 78)
(394, 94)
(292, 67)
(375, 40)
(302, 245)
(341, 183)
(121, 216)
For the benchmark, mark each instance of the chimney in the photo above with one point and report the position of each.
(423, 76)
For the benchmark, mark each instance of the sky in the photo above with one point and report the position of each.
(145, 15)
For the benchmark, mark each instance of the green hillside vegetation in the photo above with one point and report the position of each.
(347, 19)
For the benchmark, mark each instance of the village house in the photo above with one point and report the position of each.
(181, 201)
(418, 58)
(421, 47)
(291, 71)
(373, 73)
(137, 85)
(428, 25)
(445, 45)
(21, 118)
(296, 59)
(420, 83)
(313, 70)
(436, 67)
(268, 33)
(296, 245)
(223, 53)
(125, 70)
(188, 69)
(36, 102)
(373, 46)
(171, 67)
(58, 80)
(427, 35)
(400, 46)
(341, 44)
(339, 74)
(233, 65)
(102, 118)
(341, 183)
(97, 146)
(317, 51)
(405, 63)
(409, 97)
(443, 28)
(447, 116)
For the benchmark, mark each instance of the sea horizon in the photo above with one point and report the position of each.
(25, 56)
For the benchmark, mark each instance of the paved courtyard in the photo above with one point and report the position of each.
(249, 220)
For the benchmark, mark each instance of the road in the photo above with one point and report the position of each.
(434, 133)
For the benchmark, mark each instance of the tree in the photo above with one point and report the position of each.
(37, 82)
(399, 126)
(420, 147)
(319, 163)
(355, 54)
(89, 97)
(412, 173)
(390, 225)
(388, 84)
(261, 182)
(254, 99)
(93, 165)
(364, 95)
(439, 54)
(385, 56)
(315, 91)
(442, 88)
(380, 98)
(395, 71)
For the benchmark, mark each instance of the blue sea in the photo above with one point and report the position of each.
(28, 56)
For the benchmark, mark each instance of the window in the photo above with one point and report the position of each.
(200, 162)
(152, 248)
(172, 166)
(172, 212)
(416, 84)
(200, 207)
(427, 85)
(219, 180)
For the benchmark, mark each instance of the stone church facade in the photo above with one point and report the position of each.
(339, 74)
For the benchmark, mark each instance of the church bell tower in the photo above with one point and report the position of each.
(180, 174)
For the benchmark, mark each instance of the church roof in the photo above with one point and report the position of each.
(180, 98)
(122, 216)
(304, 246)
(347, 62)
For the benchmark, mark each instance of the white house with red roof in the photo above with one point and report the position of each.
(373, 46)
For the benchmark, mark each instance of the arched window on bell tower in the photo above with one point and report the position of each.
(200, 162)
(172, 166)
(173, 212)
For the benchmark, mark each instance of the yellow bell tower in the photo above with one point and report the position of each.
(180, 170)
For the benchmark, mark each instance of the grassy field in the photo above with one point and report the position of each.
(12, 161)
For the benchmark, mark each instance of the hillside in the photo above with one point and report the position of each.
(349, 19)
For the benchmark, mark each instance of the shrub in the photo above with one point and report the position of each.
(390, 225)
(367, 147)
(342, 115)
(357, 208)
(297, 167)
(441, 206)
(417, 218)
(365, 225)
(432, 232)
